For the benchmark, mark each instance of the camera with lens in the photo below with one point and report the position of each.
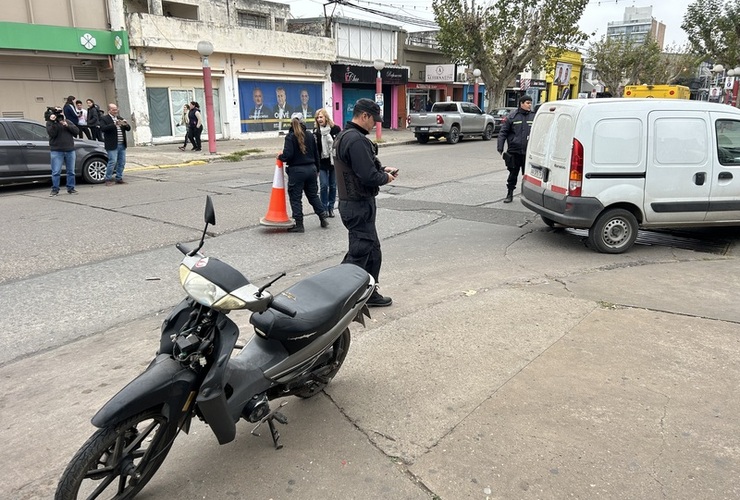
(54, 110)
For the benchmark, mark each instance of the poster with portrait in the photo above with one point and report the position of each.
(266, 106)
(562, 73)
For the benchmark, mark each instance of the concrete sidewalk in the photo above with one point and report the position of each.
(168, 155)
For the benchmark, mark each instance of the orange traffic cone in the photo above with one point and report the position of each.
(277, 213)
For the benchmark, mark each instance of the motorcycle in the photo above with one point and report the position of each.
(301, 338)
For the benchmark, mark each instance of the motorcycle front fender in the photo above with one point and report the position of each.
(165, 383)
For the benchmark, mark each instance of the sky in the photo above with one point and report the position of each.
(595, 17)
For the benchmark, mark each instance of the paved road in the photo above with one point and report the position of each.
(515, 362)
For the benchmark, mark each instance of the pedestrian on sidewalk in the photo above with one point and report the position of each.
(301, 154)
(326, 131)
(195, 125)
(114, 129)
(62, 133)
(515, 132)
(359, 177)
(185, 122)
(93, 120)
(82, 121)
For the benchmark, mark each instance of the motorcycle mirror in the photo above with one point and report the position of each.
(210, 214)
(209, 217)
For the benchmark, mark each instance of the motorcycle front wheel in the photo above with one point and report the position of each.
(116, 462)
(325, 370)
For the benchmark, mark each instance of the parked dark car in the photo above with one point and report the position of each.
(24, 154)
(499, 115)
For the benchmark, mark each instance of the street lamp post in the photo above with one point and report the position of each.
(205, 49)
(379, 64)
(476, 74)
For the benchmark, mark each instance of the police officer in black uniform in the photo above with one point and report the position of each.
(515, 131)
(359, 177)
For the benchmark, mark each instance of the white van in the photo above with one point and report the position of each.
(613, 165)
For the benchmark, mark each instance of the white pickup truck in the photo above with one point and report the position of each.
(451, 120)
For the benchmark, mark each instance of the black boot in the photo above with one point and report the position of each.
(298, 228)
(323, 218)
(509, 196)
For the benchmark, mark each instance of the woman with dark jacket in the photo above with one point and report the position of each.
(325, 133)
(195, 125)
(93, 120)
(301, 154)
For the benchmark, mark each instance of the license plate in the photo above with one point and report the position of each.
(536, 172)
(423, 129)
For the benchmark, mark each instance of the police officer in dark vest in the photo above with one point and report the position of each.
(515, 131)
(359, 177)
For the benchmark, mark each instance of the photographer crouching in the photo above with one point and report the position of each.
(62, 135)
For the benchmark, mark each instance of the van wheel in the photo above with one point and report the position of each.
(613, 232)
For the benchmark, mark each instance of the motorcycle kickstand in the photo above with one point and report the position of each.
(273, 415)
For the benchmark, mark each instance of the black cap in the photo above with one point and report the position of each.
(368, 106)
(524, 99)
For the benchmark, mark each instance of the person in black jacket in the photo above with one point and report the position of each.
(93, 120)
(302, 156)
(62, 133)
(359, 177)
(515, 131)
(114, 130)
(325, 133)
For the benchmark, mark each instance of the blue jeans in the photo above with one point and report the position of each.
(117, 158)
(328, 191)
(57, 158)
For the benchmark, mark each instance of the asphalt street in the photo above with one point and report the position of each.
(515, 362)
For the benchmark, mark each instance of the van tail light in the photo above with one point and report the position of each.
(575, 177)
(440, 120)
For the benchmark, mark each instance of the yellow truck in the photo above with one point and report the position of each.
(658, 91)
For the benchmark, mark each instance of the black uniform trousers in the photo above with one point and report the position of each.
(364, 245)
(514, 166)
(302, 179)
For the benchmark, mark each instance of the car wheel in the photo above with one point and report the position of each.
(453, 137)
(613, 232)
(422, 138)
(488, 133)
(93, 171)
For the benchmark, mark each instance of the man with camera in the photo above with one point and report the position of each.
(114, 134)
(62, 135)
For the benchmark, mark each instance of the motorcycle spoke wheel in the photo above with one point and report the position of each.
(322, 373)
(116, 462)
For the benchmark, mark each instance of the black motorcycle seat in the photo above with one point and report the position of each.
(319, 301)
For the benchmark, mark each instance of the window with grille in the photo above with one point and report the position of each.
(252, 20)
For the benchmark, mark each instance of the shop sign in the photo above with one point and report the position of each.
(440, 73)
(350, 73)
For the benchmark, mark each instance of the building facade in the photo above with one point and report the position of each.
(637, 24)
(142, 55)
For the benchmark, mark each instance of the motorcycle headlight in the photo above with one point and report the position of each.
(208, 293)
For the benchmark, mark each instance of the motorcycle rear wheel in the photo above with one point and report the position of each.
(117, 462)
(322, 373)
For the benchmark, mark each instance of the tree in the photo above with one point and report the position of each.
(622, 62)
(507, 36)
(714, 30)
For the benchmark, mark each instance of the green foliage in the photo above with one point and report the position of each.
(713, 28)
(622, 62)
(504, 37)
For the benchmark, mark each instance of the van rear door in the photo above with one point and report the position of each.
(548, 151)
(677, 183)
